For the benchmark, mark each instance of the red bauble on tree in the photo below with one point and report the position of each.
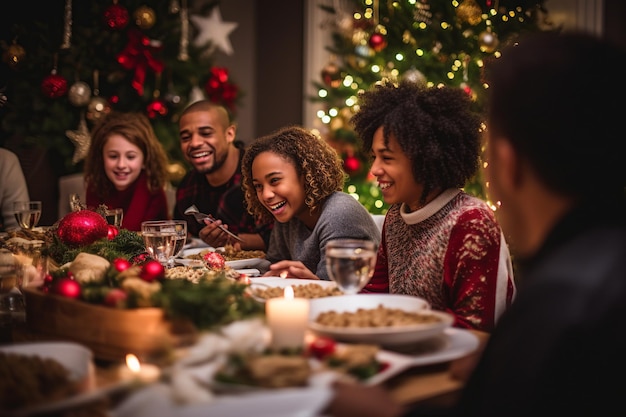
(351, 164)
(377, 41)
(156, 108)
(54, 86)
(81, 228)
(116, 17)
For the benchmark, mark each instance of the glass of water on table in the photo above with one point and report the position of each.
(164, 239)
(27, 213)
(350, 263)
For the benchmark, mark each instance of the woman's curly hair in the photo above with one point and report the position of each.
(435, 127)
(136, 128)
(313, 157)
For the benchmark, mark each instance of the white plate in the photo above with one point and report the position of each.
(384, 336)
(283, 282)
(194, 251)
(156, 401)
(452, 343)
(78, 360)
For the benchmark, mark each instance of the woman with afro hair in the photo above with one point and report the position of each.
(438, 242)
(295, 178)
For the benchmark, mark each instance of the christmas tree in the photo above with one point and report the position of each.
(66, 66)
(425, 41)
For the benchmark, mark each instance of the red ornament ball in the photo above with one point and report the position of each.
(377, 42)
(152, 270)
(156, 108)
(66, 287)
(351, 164)
(121, 264)
(116, 17)
(81, 228)
(54, 86)
(112, 232)
(213, 260)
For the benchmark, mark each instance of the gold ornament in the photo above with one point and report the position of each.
(97, 108)
(145, 17)
(79, 93)
(81, 139)
(469, 12)
(488, 41)
(176, 171)
(14, 55)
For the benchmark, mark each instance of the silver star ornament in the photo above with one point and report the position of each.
(214, 30)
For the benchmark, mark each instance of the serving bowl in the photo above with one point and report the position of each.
(386, 336)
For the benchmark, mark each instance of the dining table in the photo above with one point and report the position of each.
(431, 385)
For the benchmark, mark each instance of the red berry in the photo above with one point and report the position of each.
(152, 270)
(321, 347)
(116, 297)
(121, 264)
(66, 287)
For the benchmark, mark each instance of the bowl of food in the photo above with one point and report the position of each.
(65, 372)
(383, 319)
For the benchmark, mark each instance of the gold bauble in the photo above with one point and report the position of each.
(97, 109)
(470, 12)
(14, 55)
(488, 41)
(145, 17)
(176, 171)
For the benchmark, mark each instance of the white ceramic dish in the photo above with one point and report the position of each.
(384, 336)
(283, 282)
(77, 358)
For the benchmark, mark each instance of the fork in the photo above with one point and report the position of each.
(200, 217)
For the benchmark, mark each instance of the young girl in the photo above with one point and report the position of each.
(296, 178)
(438, 242)
(126, 168)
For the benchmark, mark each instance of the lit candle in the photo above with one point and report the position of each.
(138, 372)
(287, 318)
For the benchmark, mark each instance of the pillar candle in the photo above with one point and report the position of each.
(287, 318)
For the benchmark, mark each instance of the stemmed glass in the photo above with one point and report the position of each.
(164, 239)
(27, 213)
(350, 263)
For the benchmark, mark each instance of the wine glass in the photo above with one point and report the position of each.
(350, 263)
(164, 239)
(160, 238)
(180, 226)
(27, 213)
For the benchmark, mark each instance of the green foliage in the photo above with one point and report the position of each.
(125, 245)
(208, 304)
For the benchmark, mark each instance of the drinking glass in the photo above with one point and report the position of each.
(180, 226)
(164, 239)
(114, 216)
(350, 263)
(27, 213)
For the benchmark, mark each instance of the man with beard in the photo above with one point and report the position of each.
(213, 185)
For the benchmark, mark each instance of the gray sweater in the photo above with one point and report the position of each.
(342, 217)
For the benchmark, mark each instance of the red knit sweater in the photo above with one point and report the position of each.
(451, 253)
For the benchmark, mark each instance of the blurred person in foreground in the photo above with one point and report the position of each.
(553, 165)
(438, 242)
(13, 188)
(126, 167)
(208, 142)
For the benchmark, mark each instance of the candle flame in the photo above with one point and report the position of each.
(288, 292)
(283, 274)
(133, 363)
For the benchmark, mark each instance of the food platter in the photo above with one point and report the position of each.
(434, 323)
